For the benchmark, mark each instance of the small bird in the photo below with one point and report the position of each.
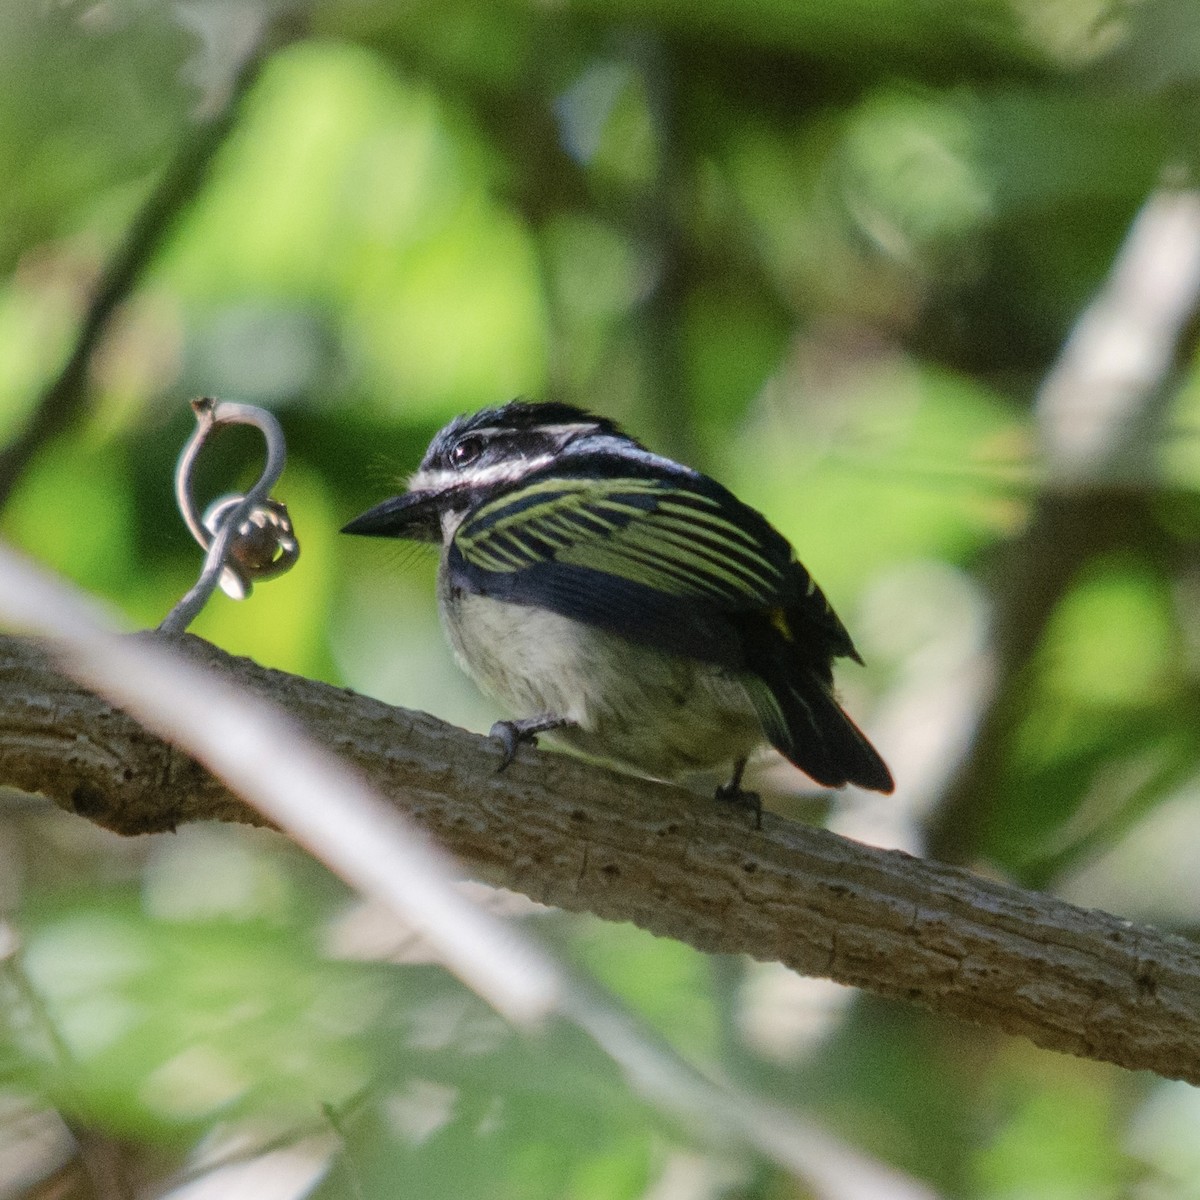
(628, 605)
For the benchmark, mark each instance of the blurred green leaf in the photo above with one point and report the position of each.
(1108, 728)
(1054, 1136)
(435, 285)
(467, 1106)
(73, 511)
(910, 463)
(92, 97)
(164, 1026)
(664, 981)
(1112, 641)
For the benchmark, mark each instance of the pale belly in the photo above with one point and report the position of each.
(661, 714)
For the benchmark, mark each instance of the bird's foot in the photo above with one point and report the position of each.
(733, 793)
(510, 734)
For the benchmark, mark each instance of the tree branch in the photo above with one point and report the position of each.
(260, 752)
(587, 839)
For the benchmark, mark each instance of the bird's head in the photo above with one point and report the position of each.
(476, 456)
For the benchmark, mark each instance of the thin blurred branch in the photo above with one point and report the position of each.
(106, 1162)
(100, 1160)
(60, 403)
(586, 839)
(1100, 412)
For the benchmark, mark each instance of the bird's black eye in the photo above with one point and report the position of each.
(464, 453)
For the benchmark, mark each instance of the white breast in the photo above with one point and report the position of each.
(660, 713)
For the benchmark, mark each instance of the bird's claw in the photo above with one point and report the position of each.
(510, 736)
(732, 793)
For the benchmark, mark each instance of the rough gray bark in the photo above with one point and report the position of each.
(586, 839)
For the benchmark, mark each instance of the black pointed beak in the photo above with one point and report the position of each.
(415, 516)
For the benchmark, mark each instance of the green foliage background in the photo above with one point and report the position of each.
(826, 251)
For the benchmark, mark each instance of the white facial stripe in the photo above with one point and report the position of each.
(568, 431)
(556, 431)
(502, 472)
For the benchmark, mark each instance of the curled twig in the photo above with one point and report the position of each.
(245, 538)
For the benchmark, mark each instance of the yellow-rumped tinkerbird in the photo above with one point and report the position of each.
(627, 604)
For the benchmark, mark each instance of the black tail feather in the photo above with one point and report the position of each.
(809, 727)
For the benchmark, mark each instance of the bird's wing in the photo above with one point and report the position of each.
(670, 561)
(654, 532)
(680, 564)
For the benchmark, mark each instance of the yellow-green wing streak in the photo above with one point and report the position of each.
(658, 534)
